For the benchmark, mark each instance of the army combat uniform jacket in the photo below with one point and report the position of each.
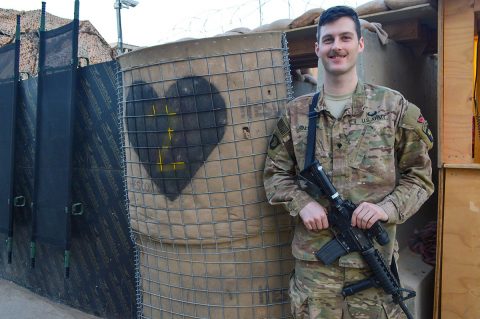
(376, 152)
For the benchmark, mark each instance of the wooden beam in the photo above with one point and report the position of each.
(476, 5)
(457, 81)
(407, 30)
(425, 12)
(301, 47)
(414, 34)
(440, 90)
(438, 264)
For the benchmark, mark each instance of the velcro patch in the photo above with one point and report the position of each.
(283, 127)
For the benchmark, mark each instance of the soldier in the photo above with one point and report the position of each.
(373, 144)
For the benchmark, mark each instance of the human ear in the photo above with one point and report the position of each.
(361, 44)
(317, 49)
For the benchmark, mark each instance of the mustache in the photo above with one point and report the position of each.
(333, 54)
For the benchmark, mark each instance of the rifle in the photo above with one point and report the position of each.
(350, 239)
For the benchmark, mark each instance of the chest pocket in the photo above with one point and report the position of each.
(372, 148)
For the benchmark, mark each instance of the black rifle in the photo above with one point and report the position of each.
(350, 239)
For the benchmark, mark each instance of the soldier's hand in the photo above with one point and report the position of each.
(314, 216)
(367, 214)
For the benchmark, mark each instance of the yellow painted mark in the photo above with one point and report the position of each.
(177, 163)
(160, 161)
(154, 110)
(166, 110)
(165, 167)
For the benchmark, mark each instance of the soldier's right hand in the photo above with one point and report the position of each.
(314, 216)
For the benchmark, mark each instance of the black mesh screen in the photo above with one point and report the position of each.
(7, 116)
(54, 137)
(6, 149)
(58, 47)
(53, 165)
(7, 62)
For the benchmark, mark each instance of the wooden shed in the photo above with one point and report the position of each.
(458, 253)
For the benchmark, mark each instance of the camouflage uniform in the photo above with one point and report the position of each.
(377, 152)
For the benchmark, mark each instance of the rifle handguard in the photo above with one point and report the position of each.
(379, 233)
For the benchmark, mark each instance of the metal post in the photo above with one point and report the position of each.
(74, 66)
(260, 10)
(15, 90)
(41, 61)
(118, 6)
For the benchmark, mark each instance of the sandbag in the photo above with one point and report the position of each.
(278, 25)
(281, 24)
(240, 30)
(375, 27)
(308, 78)
(297, 75)
(364, 24)
(371, 7)
(306, 19)
(235, 31)
(400, 4)
(184, 39)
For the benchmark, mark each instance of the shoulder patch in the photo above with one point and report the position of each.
(414, 120)
(274, 142)
(273, 145)
(410, 117)
(280, 135)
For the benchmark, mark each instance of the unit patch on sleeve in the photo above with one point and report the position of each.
(281, 134)
(274, 142)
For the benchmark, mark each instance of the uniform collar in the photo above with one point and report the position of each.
(358, 100)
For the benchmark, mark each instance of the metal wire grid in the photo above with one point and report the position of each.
(202, 253)
(119, 84)
(197, 282)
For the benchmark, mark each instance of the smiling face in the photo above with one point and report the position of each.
(339, 46)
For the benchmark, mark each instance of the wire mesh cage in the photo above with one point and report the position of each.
(196, 119)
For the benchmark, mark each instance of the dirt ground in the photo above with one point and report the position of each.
(17, 302)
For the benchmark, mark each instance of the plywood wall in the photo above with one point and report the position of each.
(460, 284)
(458, 36)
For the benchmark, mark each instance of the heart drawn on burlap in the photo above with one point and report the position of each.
(174, 134)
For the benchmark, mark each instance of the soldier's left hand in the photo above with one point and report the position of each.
(367, 214)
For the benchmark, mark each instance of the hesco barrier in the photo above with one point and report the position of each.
(197, 116)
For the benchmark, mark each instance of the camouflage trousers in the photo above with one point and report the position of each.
(315, 293)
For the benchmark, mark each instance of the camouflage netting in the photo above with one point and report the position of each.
(91, 44)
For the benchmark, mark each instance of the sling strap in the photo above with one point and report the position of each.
(312, 131)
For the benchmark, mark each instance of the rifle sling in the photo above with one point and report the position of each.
(312, 131)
